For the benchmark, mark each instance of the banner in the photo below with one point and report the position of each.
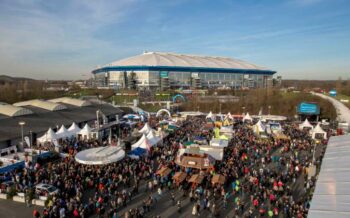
(27, 140)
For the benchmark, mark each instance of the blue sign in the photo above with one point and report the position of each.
(333, 93)
(308, 108)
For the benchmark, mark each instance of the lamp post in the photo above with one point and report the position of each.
(243, 108)
(31, 138)
(269, 109)
(22, 123)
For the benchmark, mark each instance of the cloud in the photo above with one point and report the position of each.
(34, 33)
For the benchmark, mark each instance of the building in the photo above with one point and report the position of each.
(156, 70)
(39, 115)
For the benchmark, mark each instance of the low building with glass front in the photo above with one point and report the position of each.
(157, 70)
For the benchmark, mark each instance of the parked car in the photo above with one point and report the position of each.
(45, 190)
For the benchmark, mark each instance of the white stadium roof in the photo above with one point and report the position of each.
(152, 59)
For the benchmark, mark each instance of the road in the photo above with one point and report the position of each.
(343, 112)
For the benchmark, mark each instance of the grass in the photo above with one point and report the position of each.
(344, 97)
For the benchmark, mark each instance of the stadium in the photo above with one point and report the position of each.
(157, 70)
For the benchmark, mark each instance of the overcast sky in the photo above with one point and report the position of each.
(66, 39)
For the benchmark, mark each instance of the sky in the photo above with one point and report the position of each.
(66, 39)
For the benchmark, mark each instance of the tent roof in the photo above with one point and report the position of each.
(62, 132)
(247, 117)
(48, 136)
(74, 128)
(318, 129)
(153, 139)
(259, 127)
(100, 155)
(306, 123)
(145, 129)
(211, 116)
(332, 194)
(143, 142)
(86, 130)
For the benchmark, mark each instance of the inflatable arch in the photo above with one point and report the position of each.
(179, 96)
(163, 111)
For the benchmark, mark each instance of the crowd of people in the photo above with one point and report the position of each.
(266, 177)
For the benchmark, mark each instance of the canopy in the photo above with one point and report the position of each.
(74, 129)
(318, 130)
(332, 195)
(164, 171)
(145, 129)
(100, 155)
(179, 176)
(63, 132)
(259, 127)
(153, 139)
(215, 152)
(229, 116)
(219, 143)
(131, 116)
(210, 116)
(86, 131)
(247, 117)
(226, 129)
(218, 179)
(143, 143)
(305, 124)
(49, 136)
(196, 178)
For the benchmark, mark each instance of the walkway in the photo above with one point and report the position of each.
(343, 112)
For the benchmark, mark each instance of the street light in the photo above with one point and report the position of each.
(243, 108)
(22, 123)
(269, 109)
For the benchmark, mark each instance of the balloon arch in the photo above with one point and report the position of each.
(179, 96)
(163, 111)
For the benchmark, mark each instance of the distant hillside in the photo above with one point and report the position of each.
(10, 79)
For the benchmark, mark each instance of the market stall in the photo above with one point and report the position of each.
(218, 179)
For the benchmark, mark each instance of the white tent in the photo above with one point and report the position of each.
(318, 131)
(216, 152)
(331, 197)
(85, 132)
(247, 117)
(219, 143)
(152, 138)
(63, 132)
(49, 136)
(229, 116)
(210, 116)
(226, 129)
(74, 129)
(259, 127)
(100, 155)
(305, 124)
(145, 129)
(143, 143)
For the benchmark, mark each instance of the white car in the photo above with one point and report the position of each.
(45, 190)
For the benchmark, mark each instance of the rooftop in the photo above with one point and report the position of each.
(161, 59)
